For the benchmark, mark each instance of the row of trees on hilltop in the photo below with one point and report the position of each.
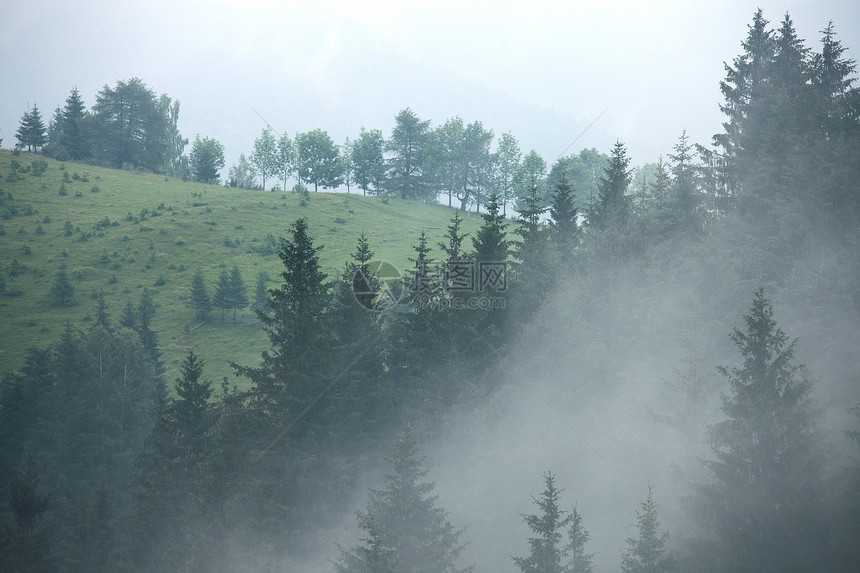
(454, 160)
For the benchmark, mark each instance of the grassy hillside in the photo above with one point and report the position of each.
(115, 232)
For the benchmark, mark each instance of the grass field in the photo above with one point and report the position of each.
(116, 232)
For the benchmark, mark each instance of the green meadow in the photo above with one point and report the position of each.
(116, 232)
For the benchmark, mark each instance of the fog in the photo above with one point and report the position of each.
(588, 390)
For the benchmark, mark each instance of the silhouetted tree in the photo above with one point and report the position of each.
(199, 299)
(647, 553)
(406, 531)
(26, 544)
(32, 133)
(763, 502)
(547, 554)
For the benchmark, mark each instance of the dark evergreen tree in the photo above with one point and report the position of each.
(763, 502)
(647, 553)
(261, 292)
(238, 291)
(145, 314)
(547, 554)
(490, 241)
(199, 300)
(296, 326)
(685, 200)
(563, 223)
(26, 544)
(32, 133)
(221, 298)
(74, 136)
(128, 318)
(406, 531)
(102, 318)
(62, 292)
(744, 86)
(579, 561)
(452, 246)
(55, 127)
(612, 207)
(538, 262)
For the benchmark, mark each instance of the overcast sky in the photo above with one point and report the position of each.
(542, 70)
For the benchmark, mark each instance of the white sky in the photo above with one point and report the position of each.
(543, 70)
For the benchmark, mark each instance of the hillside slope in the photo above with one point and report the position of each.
(116, 232)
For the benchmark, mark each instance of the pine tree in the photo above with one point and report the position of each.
(74, 137)
(579, 561)
(563, 222)
(191, 404)
(32, 133)
(26, 544)
(452, 247)
(685, 199)
(490, 241)
(102, 319)
(647, 553)
(764, 498)
(546, 552)
(296, 326)
(744, 87)
(612, 207)
(221, 298)
(261, 292)
(128, 318)
(145, 314)
(407, 533)
(62, 292)
(238, 297)
(199, 300)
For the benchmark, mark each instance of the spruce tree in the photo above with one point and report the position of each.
(579, 561)
(297, 328)
(546, 552)
(74, 137)
(612, 207)
(62, 292)
(26, 543)
(563, 222)
(221, 299)
(32, 133)
(452, 246)
(490, 241)
(199, 300)
(647, 553)
(261, 291)
(407, 533)
(238, 297)
(763, 501)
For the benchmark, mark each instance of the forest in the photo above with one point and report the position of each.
(644, 369)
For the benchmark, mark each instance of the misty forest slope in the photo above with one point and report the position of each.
(682, 353)
(143, 230)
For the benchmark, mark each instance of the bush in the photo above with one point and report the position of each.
(38, 167)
